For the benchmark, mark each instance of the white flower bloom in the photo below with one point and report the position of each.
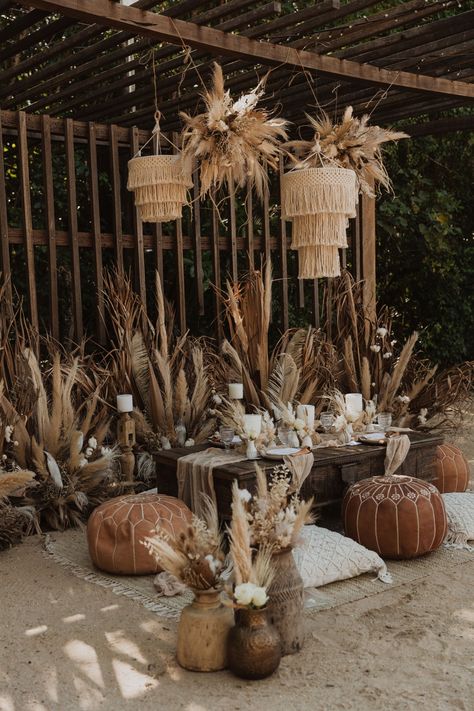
(217, 399)
(245, 495)
(8, 433)
(82, 462)
(375, 348)
(89, 451)
(92, 442)
(260, 597)
(16, 443)
(189, 443)
(243, 593)
(4, 457)
(382, 332)
(403, 399)
(387, 355)
(392, 343)
(214, 564)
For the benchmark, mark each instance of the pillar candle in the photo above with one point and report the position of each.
(253, 425)
(125, 403)
(236, 391)
(354, 404)
(306, 413)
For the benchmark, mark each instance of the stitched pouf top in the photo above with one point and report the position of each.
(116, 529)
(397, 516)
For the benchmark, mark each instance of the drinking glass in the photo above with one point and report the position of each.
(327, 421)
(227, 435)
(283, 434)
(385, 420)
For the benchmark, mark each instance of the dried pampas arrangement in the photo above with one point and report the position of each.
(232, 140)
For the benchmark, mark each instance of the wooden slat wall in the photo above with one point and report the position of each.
(202, 232)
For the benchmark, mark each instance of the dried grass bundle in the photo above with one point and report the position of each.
(350, 144)
(196, 556)
(232, 140)
(16, 522)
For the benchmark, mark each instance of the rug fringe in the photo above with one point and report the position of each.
(117, 588)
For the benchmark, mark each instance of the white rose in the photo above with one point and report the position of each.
(259, 597)
(245, 495)
(189, 443)
(387, 355)
(92, 442)
(375, 348)
(89, 451)
(382, 332)
(243, 593)
(217, 399)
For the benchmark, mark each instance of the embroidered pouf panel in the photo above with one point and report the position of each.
(116, 529)
(452, 469)
(399, 517)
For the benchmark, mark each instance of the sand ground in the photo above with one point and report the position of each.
(67, 645)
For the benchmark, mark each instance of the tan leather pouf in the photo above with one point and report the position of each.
(116, 528)
(397, 516)
(452, 469)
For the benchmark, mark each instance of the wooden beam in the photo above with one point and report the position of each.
(160, 27)
(368, 239)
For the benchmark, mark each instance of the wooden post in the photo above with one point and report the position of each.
(368, 240)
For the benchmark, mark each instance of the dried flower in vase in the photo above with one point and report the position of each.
(350, 144)
(196, 556)
(232, 140)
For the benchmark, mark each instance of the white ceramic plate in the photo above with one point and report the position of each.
(373, 438)
(280, 452)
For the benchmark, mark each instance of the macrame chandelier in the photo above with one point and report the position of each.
(160, 182)
(319, 203)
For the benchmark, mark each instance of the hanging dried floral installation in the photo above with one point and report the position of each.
(233, 141)
(320, 192)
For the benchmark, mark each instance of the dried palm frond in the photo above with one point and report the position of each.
(353, 144)
(232, 140)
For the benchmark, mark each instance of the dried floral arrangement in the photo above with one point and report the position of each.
(297, 369)
(374, 363)
(232, 140)
(276, 514)
(169, 376)
(253, 571)
(352, 144)
(195, 557)
(46, 432)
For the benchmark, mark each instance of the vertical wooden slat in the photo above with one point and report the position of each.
(73, 229)
(284, 261)
(315, 300)
(301, 301)
(216, 267)
(96, 231)
(199, 275)
(50, 224)
(356, 256)
(368, 242)
(266, 225)
(180, 285)
(4, 244)
(138, 232)
(27, 218)
(116, 197)
(250, 244)
(233, 235)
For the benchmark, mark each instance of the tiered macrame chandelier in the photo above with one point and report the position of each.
(160, 182)
(319, 203)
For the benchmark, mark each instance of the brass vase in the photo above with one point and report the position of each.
(286, 604)
(253, 645)
(202, 633)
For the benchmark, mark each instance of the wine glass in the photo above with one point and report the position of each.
(227, 435)
(327, 421)
(283, 434)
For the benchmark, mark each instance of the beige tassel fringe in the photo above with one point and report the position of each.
(160, 212)
(325, 229)
(319, 190)
(151, 170)
(161, 192)
(316, 262)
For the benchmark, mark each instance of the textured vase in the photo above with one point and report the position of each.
(286, 605)
(203, 629)
(253, 645)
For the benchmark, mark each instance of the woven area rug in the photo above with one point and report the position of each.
(69, 549)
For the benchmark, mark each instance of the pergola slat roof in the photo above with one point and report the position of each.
(91, 59)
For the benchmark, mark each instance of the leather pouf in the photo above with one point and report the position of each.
(397, 516)
(116, 528)
(452, 469)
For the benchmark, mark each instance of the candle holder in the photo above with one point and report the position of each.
(126, 440)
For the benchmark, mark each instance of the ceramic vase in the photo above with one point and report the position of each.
(202, 633)
(253, 645)
(251, 451)
(286, 604)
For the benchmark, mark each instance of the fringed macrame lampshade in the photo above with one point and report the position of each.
(160, 184)
(319, 201)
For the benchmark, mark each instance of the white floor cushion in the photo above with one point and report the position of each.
(325, 556)
(460, 513)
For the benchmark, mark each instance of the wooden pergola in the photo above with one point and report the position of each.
(78, 73)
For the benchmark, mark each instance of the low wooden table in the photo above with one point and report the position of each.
(333, 470)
